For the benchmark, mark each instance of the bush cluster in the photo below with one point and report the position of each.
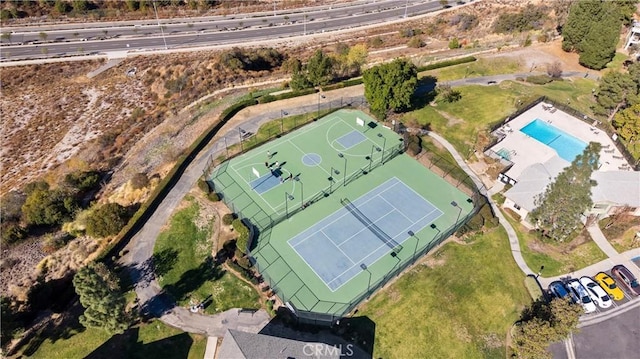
(228, 218)
(245, 273)
(484, 218)
(539, 79)
(242, 242)
(262, 59)
(530, 18)
(414, 145)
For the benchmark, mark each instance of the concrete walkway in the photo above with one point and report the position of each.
(511, 233)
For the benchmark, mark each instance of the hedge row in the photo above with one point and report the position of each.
(242, 242)
(447, 63)
(145, 211)
(246, 274)
(346, 83)
(286, 95)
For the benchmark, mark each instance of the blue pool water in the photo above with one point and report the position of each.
(567, 146)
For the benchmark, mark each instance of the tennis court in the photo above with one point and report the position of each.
(338, 210)
(338, 246)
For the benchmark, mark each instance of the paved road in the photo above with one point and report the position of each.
(241, 29)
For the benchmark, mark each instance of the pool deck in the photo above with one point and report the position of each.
(525, 151)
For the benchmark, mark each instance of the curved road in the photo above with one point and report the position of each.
(139, 250)
(184, 33)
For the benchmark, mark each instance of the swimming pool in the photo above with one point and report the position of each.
(567, 146)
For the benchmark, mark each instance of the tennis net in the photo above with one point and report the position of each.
(370, 225)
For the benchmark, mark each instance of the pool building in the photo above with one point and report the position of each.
(538, 144)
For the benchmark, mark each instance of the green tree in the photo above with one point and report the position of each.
(299, 81)
(454, 43)
(543, 323)
(592, 29)
(627, 123)
(79, 6)
(447, 94)
(390, 86)
(559, 207)
(61, 7)
(616, 90)
(320, 69)
(102, 299)
(48, 207)
(599, 44)
(106, 220)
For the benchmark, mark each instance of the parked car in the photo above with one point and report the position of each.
(558, 290)
(581, 292)
(625, 277)
(609, 285)
(597, 294)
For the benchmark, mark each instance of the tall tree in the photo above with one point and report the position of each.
(390, 86)
(616, 90)
(102, 299)
(559, 207)
(627, 123)
(320, 69)
(592, 30)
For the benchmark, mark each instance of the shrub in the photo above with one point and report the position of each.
(106, 220)
(213, 197)
(375, 42)
(45, 207)
(416, 42)
(242, 242)
(554, 70)
(539, 79)
(82, 181)
(204, 186)
(530, 18)
(228, 218)
(454, 43)
(12, 233)
(242, 260)
(139, 180)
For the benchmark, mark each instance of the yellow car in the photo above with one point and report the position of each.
(609, 285)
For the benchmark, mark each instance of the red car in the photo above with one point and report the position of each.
(624, 276)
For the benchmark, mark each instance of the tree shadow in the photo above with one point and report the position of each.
(164, 261)
(425, 92)
(194, 278)
(129, 345)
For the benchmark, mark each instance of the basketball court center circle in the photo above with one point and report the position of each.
(311, 159)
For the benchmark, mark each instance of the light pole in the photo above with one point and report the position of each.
(320, 96)
(344, 174)
(301, 192)
(412, 234)
(226, 148)
(540, 271)
(455, 204)
(287, 197)
(371, 156)
(364, 268)
(161, 29)
(384, 143)
(282, 114)
(240, 136)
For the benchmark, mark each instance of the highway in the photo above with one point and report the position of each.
(64, 40)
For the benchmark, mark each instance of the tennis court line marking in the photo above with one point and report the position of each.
(395, 181)
(357, 199)
(308, 127)
(260, 195)
(367, 139)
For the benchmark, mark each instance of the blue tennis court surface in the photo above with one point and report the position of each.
(363, 231)
(265, 183)
(351, 139)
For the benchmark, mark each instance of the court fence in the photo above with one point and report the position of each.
(316, 311)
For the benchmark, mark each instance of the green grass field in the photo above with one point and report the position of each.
(482, 106)
(181, 255)
(151, 340)
(554, 262)
(360, 169)
(459, 306)
(479, 68)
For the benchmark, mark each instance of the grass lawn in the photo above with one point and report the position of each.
(559, 258)
(459, 306)
(616, 63)
(479, 68)
(151, 340)
(482, 106)
(183, 264)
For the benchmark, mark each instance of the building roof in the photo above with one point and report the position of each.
(242, 345)
(615, 187)
(619, 187)
(533, 180)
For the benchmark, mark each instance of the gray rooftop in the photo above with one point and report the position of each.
(533, 180)
(242, 345)
(619, 187)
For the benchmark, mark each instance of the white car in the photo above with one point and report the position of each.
(581, 292)
(597, 294)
